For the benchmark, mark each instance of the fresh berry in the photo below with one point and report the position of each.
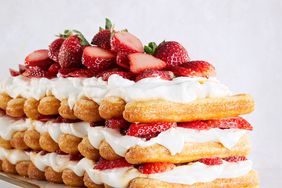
(165, 75)
(60, 119)
(194, 69)
(148, 130)
(38, 58)
(116, 123)
(81, 73)
(14, 72)
(65, 71)
(97, 58)
(45, 118)
(98, 123)
(103, 37)
(122, 60)
(54, 49)
(172, 53)
(75, 157)
(106, 74)
(158, 167)
(37, 72)
(54, 68)
(225, 123)
(71, 51)
(124, 41)
(103, 164)
(140, 62)
(235, 159)
(60, 152)
(22, 68)
(211, 161)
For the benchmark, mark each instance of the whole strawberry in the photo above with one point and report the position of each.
(54, 49)
(172, 53)
(71, 50)
(103, 37)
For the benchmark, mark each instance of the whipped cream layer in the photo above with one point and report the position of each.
(121, 177)
(180, 89)
(121, 143)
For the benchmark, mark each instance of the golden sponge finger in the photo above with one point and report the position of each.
(111, 107)
(89, 183)
(15, 107)
(71, 179)
(5, 143)
(35, 173)
(4, 99)
(65, 111)
(87, 150)
(47, 143)
(22, 168)
(49, 105)
(53, 176)
(87, 110)
(8, 167)
(107, 152)
(69, 143)
(17, 141)
(31, 108)
(31, 139)
(202, 109)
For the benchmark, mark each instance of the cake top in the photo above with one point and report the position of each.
(111, 52)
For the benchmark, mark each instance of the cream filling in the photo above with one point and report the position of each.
(13, 156)
(185, 89)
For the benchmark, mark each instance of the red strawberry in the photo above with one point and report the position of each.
(54, 49)
(116, 123)
(198, 125)
(158, 167)
(75, 157)
(105, 75)
(14, 72)
(172, 53)
(211, 161)
(165, 75)
(124, 41)
(194, 69)
(103, 164)
(45, 118)
(37, 72)
(71, 51)
(97, 58)
(148, 130)
(81, 73)
(122, 60)
(103, 37)
(235, 159)
(65, 71)
(140, 62)
(38, 58)
(22, 68)
(54, 69)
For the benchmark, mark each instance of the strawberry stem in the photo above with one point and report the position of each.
(150, 48)
(84, 42)
(109, 24)
(65, 34)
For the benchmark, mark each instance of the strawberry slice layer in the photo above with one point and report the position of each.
(140, 62)
(117, 123)
(14, 73)
(106, 74)
(158, 167)
(37, 72)
(211, 161)
(226, 123)
(126, 42)
(148, 130)
(235, 159)
(165, 75)
(97, 58)
(38, 58)
(103, 164)
(122, 60)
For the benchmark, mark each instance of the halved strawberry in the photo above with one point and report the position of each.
(158, 167)
(54, 48)
(165, 75)
(103, 39)
(122, 60)
(54, 69)
(37, 72)
(81, 73)
(22, 68)
(194, 69)
(103, 164)
(124, 41)
(116, 123)
(235, 159)
(38, 58)
(45, 118)
(75, 157)
(172, 53)
(140, 62)
(14, 73)
(106, 74)
(211, 161)
(97, 58)
(198, 125)
(148, 130)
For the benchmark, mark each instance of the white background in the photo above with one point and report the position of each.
(242, 38)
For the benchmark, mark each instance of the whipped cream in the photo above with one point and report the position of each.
(9, 126)
(13, 156)
(185, 89)
(173, 139)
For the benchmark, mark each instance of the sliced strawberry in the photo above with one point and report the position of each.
(75, 156)
(124, 41)
(122, 60)
(14, 73)
(235, 159)
(38, 58)
(148, 130)
(54, 49)
(117, 123)
(211, 161)
(65, 71)
(105, 75)
(172, 53)
(60, 119)
(140, 62)
(165, 75)
(81, 73)
(225, 123)
(97, 58)
(103, 39)
(103, 164)
(54, 69)
(45, 118)
(22, 68)
(37, 72)
(96, 124)
(158, 167)
(194, 69)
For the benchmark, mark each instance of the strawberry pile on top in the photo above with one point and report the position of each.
(111, 52)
